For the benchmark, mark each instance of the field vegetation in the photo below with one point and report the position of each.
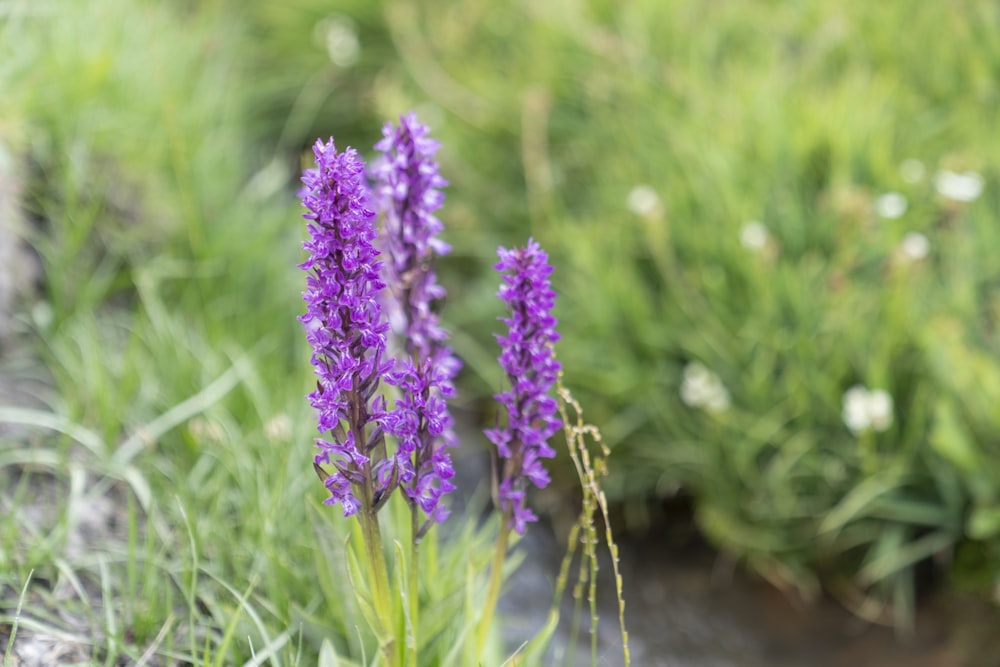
(774, 230)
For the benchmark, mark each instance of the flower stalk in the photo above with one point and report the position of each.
(493, 587)
(344, 325)
(528, 359)
(371, 318)
(407, 191)
(407, 188)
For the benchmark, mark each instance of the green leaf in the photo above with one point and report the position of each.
(858, 503)
(949, 437)
(984, 523)
(734, 533)
(532, 652)
(916, 512)
(362, 593)
(888, 562)
(328, 657)
(402, 578)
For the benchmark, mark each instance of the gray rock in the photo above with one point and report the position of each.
(18, 268)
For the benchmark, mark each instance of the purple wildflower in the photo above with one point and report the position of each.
(407, 186)
(422, 425)
(529, 361)
(344, 324)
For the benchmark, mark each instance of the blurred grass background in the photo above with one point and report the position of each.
(159, 143)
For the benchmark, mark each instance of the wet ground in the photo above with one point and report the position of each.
(681, 612)
(685, 606)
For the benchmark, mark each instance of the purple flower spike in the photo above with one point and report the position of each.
(528, 359)
(407, 186)
(343, 320)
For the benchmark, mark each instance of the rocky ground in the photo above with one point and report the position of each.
(24, 384)
(18, 266)
(48, 634)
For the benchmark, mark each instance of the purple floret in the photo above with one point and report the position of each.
(528, 359)
(343, 319)
(407, 186)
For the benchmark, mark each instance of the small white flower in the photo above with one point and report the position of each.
(696, 386)
(880, 409)
(890, 205)
(754, 235)
(718, 400)
(278, 428)
(701, 388)
(643, 200)
(206, 429)
(912, 170)
(856, 409)
(915, 246)
(339, 36)
(867, 409)
(963, 187)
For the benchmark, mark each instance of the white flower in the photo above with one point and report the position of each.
(856, 409)
(867, 409)
(701, 388)
(643, 200)
(915, 246)
(718, 400)
(696, 385)
(205, 429)
(890, 205)
(339, 36)
(278, 428)
(754, 235)
(912, 170)
(880, 409)
(964, 187)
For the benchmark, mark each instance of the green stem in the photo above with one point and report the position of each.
(411, 641)
(493, 590)
(869, 455)
(378, 570)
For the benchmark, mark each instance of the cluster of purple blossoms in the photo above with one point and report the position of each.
(346, 326)
(344, 323)
(407, 191)
(529, 361)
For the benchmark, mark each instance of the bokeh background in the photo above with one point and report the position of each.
(773, 225)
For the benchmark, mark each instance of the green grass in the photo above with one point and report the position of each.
(169, 248)
(163, 505)
(160, 146)
(796, 115)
